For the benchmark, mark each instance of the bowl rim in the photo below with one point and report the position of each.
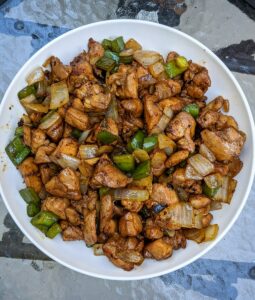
(245, 197)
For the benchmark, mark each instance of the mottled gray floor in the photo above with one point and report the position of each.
(226, 272)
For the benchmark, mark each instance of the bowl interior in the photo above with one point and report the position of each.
(154, 37)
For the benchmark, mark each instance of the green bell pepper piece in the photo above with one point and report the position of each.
(114, 56)
(192, 109)
(125, 162)
(143, 170)
(105, 137)
(150, 142)
(17, 150)
(209, 192)
(26, 91)
(118, 44)
(76, 133)
(137, 140)
(33, 209)
(53, 231)
(29, 195)
(176, 66)
(105, 63)
(107, 44)
(19, 131)
(45, 218)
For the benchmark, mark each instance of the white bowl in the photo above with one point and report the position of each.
(76, 255)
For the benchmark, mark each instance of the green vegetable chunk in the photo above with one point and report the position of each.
(19, 131)
(29, 195)
(114, 56)
(33, 209)
(53, 231)
(125, 162)
(137, 140)
(209, 192)
(107, 44)
(150, 142)
(45, 218)
(26, 91)
(76, 133)
(176, 66)
(42, 228)
(105, 63)
(143, 170)
(106, 137)
(126, 59)
(118, 44)
(192, 109)
(17, 150)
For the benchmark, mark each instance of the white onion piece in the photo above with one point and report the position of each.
(48, 121)
(88, 151)
(161, 126)
(168, 112)
(191, 173)
(215, 205)
(66, 161)
(222, 193)
(27, 100)
(131, 194)
(146, 58)
(35, 76)
(213, 181)
(38, 107)
(206, 152)
(211, 232)
(59, 94)
(201, 164)
(84, 136)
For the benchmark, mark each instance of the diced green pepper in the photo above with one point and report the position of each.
(150, 142)
(192, 109)
(118, 44)
(107, 44)
(103, 191)
(33, 209)
(42, 228)
(176, 66)
(125, 162)
(143, 170)
(114, 56)
(45, 218)
(105, 63)
(129, 147)
(53, 231)
(76, 133)
(17, 150)
(29, 195)
(105, 137)
(126, 59)
(209, 192)
(26, 91)
(137, 140)
(19, 131)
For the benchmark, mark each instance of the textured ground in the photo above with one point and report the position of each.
(225, 26)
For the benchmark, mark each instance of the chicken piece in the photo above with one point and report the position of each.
(226, 121)
(152, 112)
(186, 142)
(67, 131)
(43, 154)
(68, 146)
(130, 125)
(77, 104)
(197, 81)
(179, 178)
(175, 103)
(55, 132)
(89, 228)
(65, 184)
(72, 233)
(38, 139)
(178, 126)
(167, 88)
(152, 231)
(97, 103)
(133, 106)
(124, 83)
(72, 216)
(35, 117)
(27, 135)
(171, 56)
(58, 70)
(208, 118)
(77, 119)
(79, 205)
(47, 171)
(63, 224)
(107, 175)
(106, 212)
(130, 224)
(163, 195)
(91, 200)
(158, 158)
(226, 144)
(133, 206)
(177, 241)
(56, 205)
(158, 249)
(234, 167)
(176, 158)
(123, 253)
(216, 104)
(111, 227)
(221, 168)
(30, 172)
(88, 89)
(81, 70)
(96, 51)
(199, 201)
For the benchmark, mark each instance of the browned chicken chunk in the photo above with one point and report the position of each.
(158, 249)
(56, 205)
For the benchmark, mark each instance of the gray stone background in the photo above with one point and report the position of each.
(225, 26)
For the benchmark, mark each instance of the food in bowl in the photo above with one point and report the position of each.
(121, 150)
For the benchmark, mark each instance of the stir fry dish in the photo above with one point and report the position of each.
(120, 149)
